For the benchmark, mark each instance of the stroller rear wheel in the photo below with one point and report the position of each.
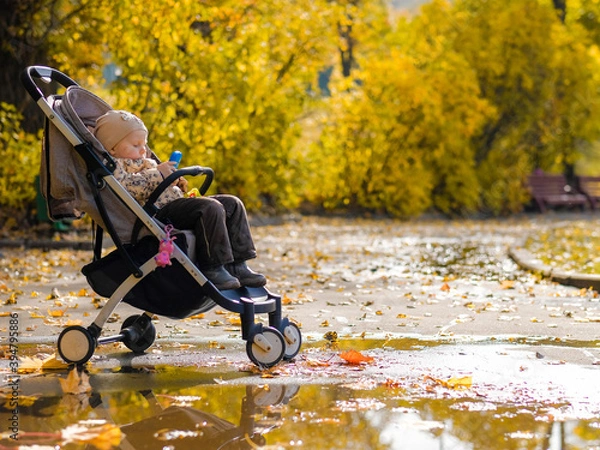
(139, 333)
(267, 348)
(76, 344)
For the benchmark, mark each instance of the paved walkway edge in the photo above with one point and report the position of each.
(528, 261)
(46, 244)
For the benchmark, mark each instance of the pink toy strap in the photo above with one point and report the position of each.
(165, 248)
(168, 230)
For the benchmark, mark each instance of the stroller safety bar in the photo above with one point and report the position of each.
(186, 171)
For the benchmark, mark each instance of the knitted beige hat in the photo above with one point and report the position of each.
(115, 126)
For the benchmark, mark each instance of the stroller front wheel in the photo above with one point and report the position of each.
(76, 344)
(293, 341)
(267, 348)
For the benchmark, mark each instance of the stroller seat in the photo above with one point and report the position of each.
(77, 178)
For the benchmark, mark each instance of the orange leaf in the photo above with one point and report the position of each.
(355, 358)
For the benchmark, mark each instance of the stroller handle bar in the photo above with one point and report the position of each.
(45, 74)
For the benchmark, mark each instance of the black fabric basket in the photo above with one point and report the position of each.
(167, 291)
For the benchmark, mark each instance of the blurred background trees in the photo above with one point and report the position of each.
(351, 105)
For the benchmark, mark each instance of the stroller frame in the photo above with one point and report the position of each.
(266, 346)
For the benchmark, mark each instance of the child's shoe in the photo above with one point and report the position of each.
(245, 275)
(222, 279)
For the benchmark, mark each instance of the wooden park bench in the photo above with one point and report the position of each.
(550, 190)
(590, 187)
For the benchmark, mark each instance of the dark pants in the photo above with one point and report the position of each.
(219, 223)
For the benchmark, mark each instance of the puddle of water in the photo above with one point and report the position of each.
(310, 416)
(512, 400)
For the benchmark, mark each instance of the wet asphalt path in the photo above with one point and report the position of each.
(437, 280)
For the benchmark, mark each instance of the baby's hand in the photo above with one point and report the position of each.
(183, 184)
(166, 168)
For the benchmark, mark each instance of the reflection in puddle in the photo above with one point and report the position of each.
(186, 422)
(313, 416)
(205, 416)
(403, 400)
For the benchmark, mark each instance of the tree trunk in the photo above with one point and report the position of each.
(347, 38)
(561, 9)
(17, 51)
(346, 53)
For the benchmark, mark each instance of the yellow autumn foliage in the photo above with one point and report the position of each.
(337, 105)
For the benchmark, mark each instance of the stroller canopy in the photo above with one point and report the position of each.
(64, 174)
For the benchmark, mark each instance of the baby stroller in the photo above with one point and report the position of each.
(77, 179)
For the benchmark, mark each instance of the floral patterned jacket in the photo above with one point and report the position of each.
(140, 177)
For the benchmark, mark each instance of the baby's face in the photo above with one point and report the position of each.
(133, 146)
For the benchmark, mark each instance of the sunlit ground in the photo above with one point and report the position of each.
(571, 247)
(396, 392)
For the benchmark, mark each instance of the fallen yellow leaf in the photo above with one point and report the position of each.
(331, 336)
(73, 322)
(310, 362)
(235, 320)
(460, 382)
(31, 365)
(75, 383)
(12, 300)
(56, 312)
(103, 437)
(24, 400)
(454, 382)
(216, 345)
